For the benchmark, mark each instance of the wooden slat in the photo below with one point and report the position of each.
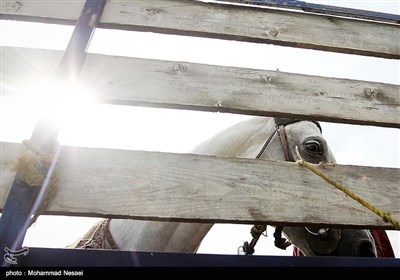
(252, 24)
(184, 187)
(168, 84)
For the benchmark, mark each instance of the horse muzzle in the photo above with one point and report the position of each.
(323, 241)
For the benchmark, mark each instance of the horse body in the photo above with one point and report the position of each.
(243, 140)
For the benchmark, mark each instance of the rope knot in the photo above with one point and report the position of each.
(31, 164)
(31, 167)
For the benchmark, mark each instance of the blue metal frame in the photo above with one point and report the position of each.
(48, 257)
(322, 9)
(23, 201)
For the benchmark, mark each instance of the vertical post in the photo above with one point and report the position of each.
(24, 200)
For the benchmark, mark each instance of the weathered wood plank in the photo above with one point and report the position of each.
(183, 187)
(168, 84)
(322, 9)
(252, 24)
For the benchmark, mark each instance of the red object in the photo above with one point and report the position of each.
(382, 242)
(383, 247)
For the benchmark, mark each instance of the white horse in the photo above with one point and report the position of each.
(245, 140)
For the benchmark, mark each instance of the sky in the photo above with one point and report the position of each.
(181, 130)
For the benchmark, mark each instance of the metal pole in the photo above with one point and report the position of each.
(23, 200)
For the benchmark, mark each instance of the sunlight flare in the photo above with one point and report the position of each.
(57, 103)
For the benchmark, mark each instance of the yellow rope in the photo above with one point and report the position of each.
(386, 216)
(28, 164)
(28, 168)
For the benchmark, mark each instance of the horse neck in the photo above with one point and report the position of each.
(158, 236)
(242, 140)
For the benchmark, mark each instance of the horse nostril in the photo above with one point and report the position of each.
(365, 249)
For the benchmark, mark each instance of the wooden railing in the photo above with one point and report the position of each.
(131, 179)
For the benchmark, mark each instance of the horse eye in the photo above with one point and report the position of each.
(313, 147)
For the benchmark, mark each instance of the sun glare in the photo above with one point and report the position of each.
(58, 102)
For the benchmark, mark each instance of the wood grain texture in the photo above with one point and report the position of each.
(185, 187)
(182, 85)
(251, 24)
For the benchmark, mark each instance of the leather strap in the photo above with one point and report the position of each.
(282, 137)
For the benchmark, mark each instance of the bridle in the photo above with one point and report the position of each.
(280, 124)
(323, 241)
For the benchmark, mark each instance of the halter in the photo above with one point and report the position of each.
(280, 124)
(317, 237)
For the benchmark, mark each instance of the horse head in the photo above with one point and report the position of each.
(289, 140)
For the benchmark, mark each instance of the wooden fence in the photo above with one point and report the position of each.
(182, 85)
